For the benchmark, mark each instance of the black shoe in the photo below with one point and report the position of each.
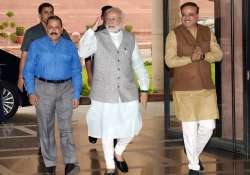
(200, 163)
(41, 166)
(92, 140)
(121, 165)
(49, 170)
(71, 169)
(39, 151)
(115, 142)
(193, 172)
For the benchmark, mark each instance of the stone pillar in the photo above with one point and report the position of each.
(157, 45)
(157, 38)
(174, 13)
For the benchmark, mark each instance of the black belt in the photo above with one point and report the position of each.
(53, 81)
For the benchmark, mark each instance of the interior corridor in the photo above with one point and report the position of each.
(150, 153)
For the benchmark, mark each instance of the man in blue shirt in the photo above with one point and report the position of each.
(45, 10)
(53, 81)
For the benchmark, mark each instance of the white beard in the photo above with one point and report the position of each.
(113, 29)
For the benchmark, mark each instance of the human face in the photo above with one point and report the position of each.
(189, 16)
(54, 30)
(45, 14)
(113, 21)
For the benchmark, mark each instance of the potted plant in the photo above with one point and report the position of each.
(13, 37)
(19, 34)
(128, 28)
(7, 26)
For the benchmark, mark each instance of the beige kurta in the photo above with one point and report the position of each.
(193, 105)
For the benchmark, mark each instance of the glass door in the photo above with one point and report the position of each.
(225, 18)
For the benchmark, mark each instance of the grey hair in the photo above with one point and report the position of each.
(115, 10)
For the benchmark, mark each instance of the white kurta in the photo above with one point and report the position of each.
(114, 120)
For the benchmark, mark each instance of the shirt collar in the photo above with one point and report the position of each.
(51, 42)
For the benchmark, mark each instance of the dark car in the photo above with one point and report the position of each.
(12, 97)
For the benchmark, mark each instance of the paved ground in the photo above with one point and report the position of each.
(150, 153)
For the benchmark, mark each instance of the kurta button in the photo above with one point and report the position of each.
(118, 86)
(117, 52)
(118, 78)
(118, 69)
(118, 60)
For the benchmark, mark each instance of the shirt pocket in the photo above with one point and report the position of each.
(64, 57)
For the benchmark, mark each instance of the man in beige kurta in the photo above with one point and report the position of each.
(190, 48)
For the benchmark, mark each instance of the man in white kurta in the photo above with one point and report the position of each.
(114, 111)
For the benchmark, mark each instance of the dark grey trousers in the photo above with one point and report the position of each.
(55, 99)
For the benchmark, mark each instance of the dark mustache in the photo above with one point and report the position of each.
(53, 33)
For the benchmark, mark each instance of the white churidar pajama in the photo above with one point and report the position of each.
(116, 120)
(196, 134)
(109, 150)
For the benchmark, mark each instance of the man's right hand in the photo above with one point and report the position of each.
(97, 23)
(33, 99)
(196, 56)
(20, 83)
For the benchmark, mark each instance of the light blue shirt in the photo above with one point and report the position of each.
(53, 61)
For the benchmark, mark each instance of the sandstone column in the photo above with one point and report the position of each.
(157, 38)
(157, 45)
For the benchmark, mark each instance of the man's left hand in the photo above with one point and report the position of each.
(75, 103)
(144, 99)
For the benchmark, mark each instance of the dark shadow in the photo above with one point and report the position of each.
(95, 162)
(23, 119)
(3, 119)
(40, 166)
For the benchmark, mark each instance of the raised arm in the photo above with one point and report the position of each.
(88, 42)
(87, 45)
